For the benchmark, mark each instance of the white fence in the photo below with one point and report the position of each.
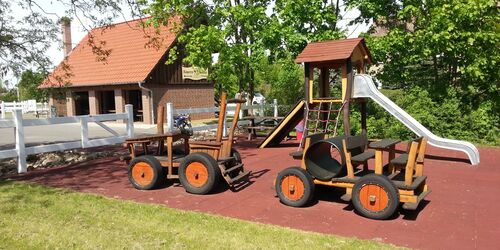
(259, 108)
(21, 151)
(26, 107)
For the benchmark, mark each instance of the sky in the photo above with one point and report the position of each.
(78, 31)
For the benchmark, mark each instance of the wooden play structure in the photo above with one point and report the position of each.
(318, 108)
(199, 165)
(342, 161)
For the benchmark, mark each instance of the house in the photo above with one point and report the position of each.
(125, 64)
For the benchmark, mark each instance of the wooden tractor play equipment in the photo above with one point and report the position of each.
(199, 165)
(342, 161)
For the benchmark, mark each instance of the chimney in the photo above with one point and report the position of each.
(66, 34)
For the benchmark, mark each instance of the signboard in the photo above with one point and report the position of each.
(194, 73)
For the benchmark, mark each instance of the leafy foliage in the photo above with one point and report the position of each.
(23, 40)
(28, 86)
(445, 54)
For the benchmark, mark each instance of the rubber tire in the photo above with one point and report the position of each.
(213, 173)
(305, 177)
(387, 185)
(158, 172)
(236, 155)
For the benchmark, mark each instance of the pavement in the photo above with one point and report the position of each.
(462, 212)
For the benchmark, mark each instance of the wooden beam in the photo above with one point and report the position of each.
(222, 114)
(307, 78)
(346, 94)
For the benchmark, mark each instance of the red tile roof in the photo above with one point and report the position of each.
(131, 57)
(330, 50)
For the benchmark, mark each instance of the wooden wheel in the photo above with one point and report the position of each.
(375, 197)
(294, 187)
(145, 172)
(199, 173)
(196, 174)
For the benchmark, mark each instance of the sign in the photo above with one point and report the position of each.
(194, 73)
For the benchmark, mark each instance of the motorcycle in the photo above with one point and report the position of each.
(183, 122)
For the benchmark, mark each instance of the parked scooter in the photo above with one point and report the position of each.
(183, 122)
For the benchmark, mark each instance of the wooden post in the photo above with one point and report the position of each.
(324, 91)
(129, 109)
(363, 116)
(222, 115)
(346, 94)
(20, 147)
(170, 117)
(160, 119)
(308, 82)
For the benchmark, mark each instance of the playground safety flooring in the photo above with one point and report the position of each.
(462, 212)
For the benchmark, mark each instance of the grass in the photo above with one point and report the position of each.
(35, 217)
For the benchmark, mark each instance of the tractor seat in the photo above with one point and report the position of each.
(401, 160)
(366, 155)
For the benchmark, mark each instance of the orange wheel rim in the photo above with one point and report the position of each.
(142, 173)
(292, 187)
(373, 197)
(196, 174)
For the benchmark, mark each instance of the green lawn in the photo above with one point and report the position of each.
(34, 217)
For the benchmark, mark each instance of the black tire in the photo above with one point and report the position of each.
(145, 172)
(212, 171)
(378, 209)
(236, 155)
(288, 198)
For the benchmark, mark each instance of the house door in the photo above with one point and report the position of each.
(81, 102)
(134, 97)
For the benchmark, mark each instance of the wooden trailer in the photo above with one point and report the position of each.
(197, 164)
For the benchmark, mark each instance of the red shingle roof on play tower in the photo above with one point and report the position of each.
(332, 50)
(134, 52)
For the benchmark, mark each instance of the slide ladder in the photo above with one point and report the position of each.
(365, 88)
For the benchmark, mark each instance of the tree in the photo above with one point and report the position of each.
(28, 86)
(441, 45)
(246, 32)
(23, 40)
(447, 50)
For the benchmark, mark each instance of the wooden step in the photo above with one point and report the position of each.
(240, 177)
(223, 160)
(227, 171)
(414, 206)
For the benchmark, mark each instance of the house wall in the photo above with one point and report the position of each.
(167, 85)
(185, 96)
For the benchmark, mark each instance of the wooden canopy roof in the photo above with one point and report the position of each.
(335, 52)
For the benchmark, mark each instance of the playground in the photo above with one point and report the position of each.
(460, 213)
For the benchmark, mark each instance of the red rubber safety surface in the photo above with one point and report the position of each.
(462, 212)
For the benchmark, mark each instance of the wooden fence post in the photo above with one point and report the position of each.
(170, 116)
(2, 108)
(130, 120)
(20, 147)
(275, 106)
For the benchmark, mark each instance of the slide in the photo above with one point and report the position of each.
(364, 87)
(285, 126)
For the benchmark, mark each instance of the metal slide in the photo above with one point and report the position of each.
(365, 87)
